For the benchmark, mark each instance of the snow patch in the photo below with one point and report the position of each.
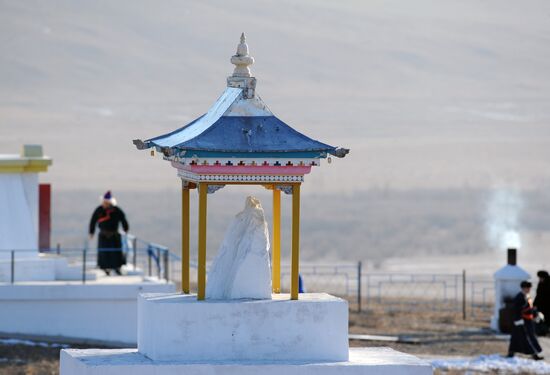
(12, 360)
(493, 363)
(32, 343)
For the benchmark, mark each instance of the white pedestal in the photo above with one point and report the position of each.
(364, 361)
(176, 327)
(96, 312)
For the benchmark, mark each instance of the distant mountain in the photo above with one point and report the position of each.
(426, 94)
(438, 100)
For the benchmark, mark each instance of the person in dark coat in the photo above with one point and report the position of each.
(542, 300)
(523, 339)
(107, 217)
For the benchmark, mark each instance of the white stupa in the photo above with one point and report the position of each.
(19, 201)
(19, 221)
(42, 294)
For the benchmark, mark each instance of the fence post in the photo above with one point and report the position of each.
(134, 256)
(464, 294)
(84, 266)
(166, 255)
(359, 271)
(12, 266)
(158, 264)
(149, 251)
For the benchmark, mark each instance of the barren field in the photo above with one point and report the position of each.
(434, 332)
(25, 359)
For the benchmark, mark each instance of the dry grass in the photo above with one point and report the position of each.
(439, 332)
(31, 360)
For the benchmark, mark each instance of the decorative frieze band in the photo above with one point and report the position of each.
(194, 177)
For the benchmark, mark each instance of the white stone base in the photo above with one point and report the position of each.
(103, 311)
(178, 327)
(365, 361)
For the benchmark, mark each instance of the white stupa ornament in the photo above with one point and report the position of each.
(241, 76)
(242, 60)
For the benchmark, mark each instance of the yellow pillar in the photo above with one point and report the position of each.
(203, 191)
(185, 239)
(295, 267)
(276, 261)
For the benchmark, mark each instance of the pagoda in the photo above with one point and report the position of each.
(240, 141)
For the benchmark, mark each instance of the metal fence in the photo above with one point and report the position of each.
(142, 258)
(482, 295)
(338, 279)
(364, 290)
(398, 291)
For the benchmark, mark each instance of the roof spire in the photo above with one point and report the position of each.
(242, 60)
(241, 77)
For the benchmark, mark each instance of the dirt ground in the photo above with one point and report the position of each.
(43, 359)
(437, 333)
(32, 360)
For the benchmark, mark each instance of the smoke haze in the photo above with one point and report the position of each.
(503, 219)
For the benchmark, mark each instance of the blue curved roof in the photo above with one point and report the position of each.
(247, 134)
(238, 125)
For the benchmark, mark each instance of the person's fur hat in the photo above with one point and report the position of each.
(108, 196)
(525, 284)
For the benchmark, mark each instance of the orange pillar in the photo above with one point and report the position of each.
(203, 191)
(185, 238)
(276, 250)
(295, 267)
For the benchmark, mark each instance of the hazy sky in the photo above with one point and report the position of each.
(427, 93)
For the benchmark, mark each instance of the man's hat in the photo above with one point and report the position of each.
(109, 197)
(543, 274)
(525, 284)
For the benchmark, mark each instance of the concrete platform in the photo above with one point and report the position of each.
(178, 327)
(101, 311)
(365, 361)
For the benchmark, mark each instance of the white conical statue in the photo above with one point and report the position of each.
(242, 59)
(242, 268)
